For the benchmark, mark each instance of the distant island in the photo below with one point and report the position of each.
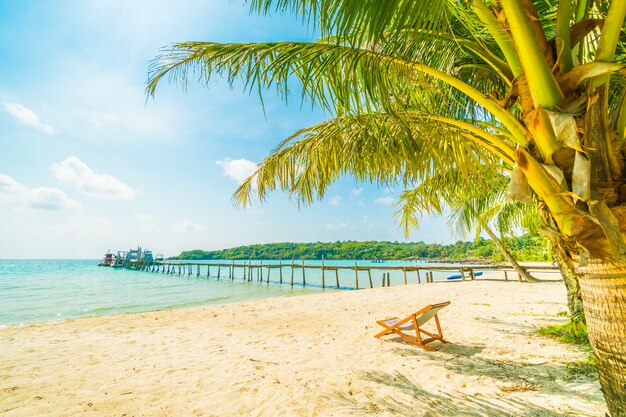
(530, 248)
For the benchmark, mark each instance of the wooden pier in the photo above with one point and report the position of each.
(295, 273)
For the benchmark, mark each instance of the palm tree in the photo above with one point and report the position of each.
(475, 203)
(533, 87)
(474, 200)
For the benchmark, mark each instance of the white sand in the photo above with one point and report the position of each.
(312, 355)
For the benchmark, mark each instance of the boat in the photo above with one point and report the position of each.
(451, 277)
(108, 259)
(138, 258)
(133, 255)
(133, 258)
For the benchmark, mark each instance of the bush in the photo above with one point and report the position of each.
(573, 332)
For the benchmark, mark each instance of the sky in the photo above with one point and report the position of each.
(88, 164)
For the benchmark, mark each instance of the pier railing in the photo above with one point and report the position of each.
(295, 273)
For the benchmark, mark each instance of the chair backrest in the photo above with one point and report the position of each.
(429, 312)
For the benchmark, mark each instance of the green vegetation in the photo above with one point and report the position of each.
(524, 248)
(584, 367)
(573, 332)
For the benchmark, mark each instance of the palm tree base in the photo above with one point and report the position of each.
(603, 288)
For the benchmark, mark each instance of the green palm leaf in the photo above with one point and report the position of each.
(380, 147)
(338, 78)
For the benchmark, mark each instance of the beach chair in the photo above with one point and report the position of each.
(394, 325)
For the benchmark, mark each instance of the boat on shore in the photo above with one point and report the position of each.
(459, 276)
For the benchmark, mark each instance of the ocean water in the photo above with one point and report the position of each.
(48, 290)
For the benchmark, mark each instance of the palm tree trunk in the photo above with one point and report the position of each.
(574, 298)
(603, 287)
(517, 267)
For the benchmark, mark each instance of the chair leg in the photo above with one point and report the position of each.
(384, 332)
(381, 334)
(417, 332)
(388, 329)
(439, 332)
(413, 340)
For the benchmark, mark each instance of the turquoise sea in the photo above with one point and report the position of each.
(48, 290)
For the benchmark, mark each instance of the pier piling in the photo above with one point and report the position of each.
(323, 277)
(467, 272)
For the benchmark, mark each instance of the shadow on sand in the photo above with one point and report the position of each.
(550, 377)
(408, 399)
(394, 394)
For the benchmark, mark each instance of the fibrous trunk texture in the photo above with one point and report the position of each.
(603, 288)
(574, 298)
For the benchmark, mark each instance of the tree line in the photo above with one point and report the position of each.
(523, 248)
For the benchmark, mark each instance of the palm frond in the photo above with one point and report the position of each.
(463, 193)
(386, 148)
(369, 19)
(471, 200)
(513, 215)
(338, 78)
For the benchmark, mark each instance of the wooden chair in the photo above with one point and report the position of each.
(394, 325)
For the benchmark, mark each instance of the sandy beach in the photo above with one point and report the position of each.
(312, 355)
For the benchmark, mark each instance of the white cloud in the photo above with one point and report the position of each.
(356, 192)
(335, 201)
(187, 226)
(46, 198)
(87, 227)
(337, 225)
(237, 169)
(26, 116)
(103, 186)
(385, 201)
(147, 222)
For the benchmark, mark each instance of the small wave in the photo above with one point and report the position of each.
(199, 302)
(118, 309)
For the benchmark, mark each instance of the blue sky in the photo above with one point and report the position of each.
(87, 165)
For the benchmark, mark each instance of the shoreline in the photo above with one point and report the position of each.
(308, 355)
(162, 310)
(487, 276)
